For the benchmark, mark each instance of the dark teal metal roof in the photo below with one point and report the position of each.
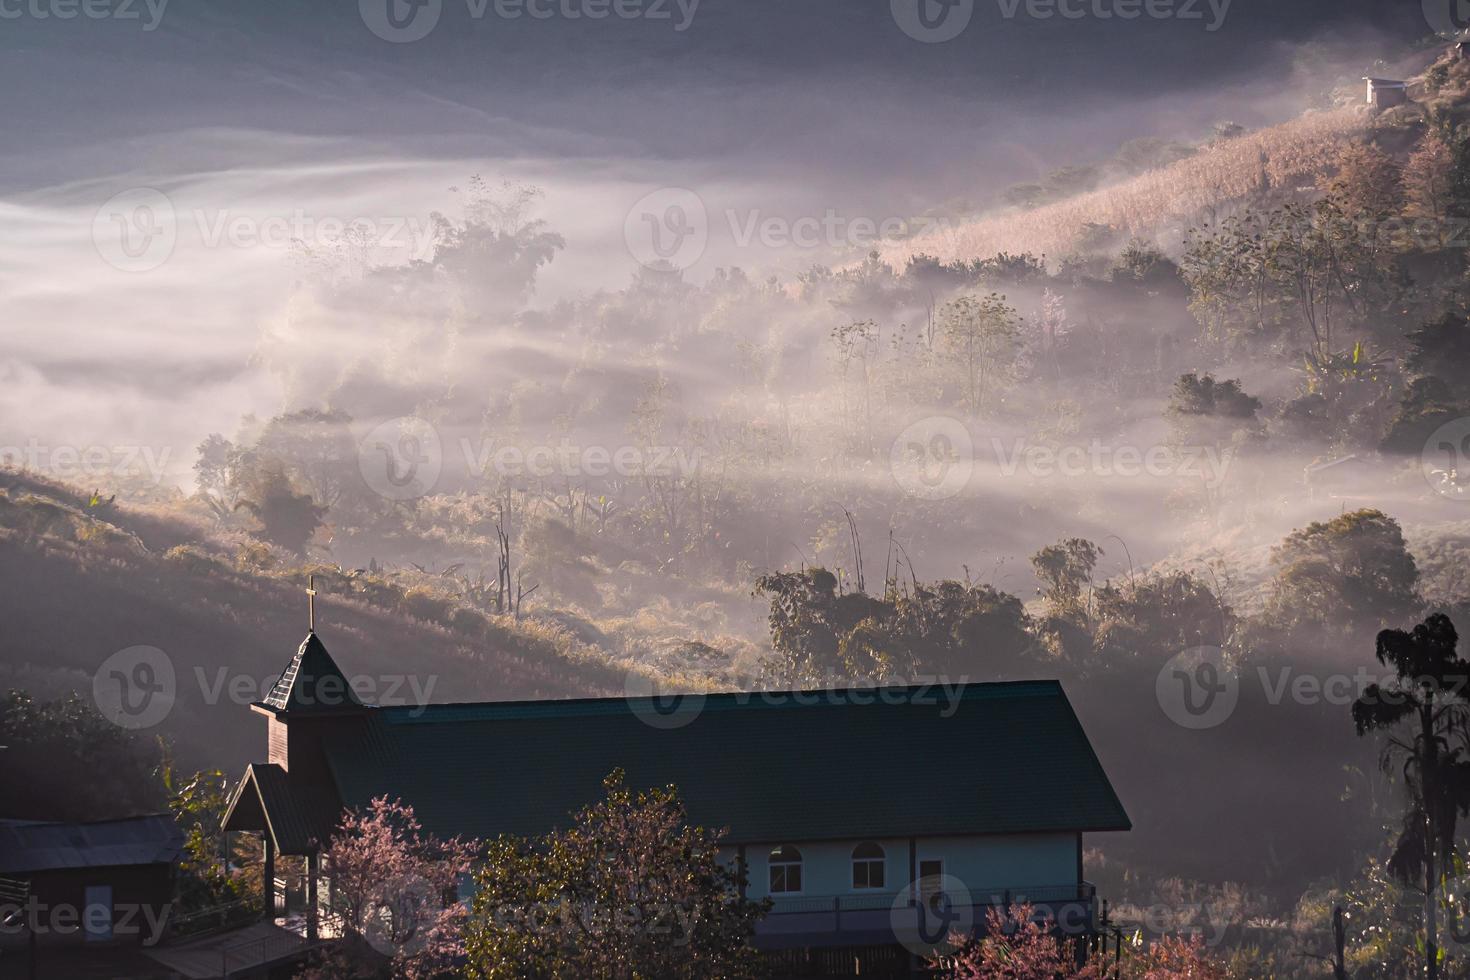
(887, 762)
(297, 814)
(28, 847)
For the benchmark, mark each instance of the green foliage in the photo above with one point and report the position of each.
(981, 337)
(1368, 186)
(808, 620)
(1426, 700)
(495, 251)
(1007, 269)
(1145, 265)
(951, 629)
(1159, 614)
(287, 519)
(1427, 403)
(1384, 928)
(1206, 412)
(1441, 349)
(1297, 275)
(215, 871)
(64, 761)
(1065, 570)
(1306, 419)
(1351, 573)
(629, 890)
(316, 450)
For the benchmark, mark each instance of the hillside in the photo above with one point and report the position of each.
(84, 582)
(1276, 163)
(1151, 204)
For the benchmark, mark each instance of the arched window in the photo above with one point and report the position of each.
(867, 866)
(785, 870)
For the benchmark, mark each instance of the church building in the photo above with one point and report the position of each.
(852, 808)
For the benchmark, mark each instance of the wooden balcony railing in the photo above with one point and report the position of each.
(979, 898)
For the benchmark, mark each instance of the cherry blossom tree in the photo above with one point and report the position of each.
(1020, 945)
(392, 897)
(1177, 958)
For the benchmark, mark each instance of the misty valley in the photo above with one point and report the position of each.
(546, 490)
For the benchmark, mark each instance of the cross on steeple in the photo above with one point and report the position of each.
(311, 603)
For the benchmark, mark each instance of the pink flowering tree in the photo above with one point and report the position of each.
(393, 897)
(1017, 946)
(1177, 958)
(1020, 946)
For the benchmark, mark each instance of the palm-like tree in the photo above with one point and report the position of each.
(1426, 699)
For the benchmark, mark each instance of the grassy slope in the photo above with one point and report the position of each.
(1155, 204)
(74, 589)
(1162, 204)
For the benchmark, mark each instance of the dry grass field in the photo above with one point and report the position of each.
(1151, 205)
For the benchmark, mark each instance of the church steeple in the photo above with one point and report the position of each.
(312, 682)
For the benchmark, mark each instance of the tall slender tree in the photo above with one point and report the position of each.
(1424, 711)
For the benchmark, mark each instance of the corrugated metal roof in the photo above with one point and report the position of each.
(298, 814)
(1002, 758)
(28, 847)
(861, 763)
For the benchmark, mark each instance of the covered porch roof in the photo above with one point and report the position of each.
(297, 818)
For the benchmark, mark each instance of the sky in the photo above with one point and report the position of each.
(269, 122)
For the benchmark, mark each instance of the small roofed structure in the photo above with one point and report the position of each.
(1385, 93)
(30, 846)
(118, 875)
